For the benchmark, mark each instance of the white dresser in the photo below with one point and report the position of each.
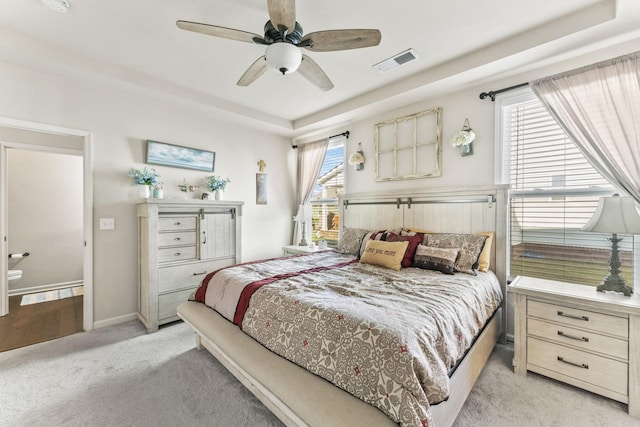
(179, 242)
(574, 334)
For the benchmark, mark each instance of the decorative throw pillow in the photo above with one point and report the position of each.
(373, 235)
(350, 240)
(485, 256)
(384, 254)
(438, 259)
(470, 246)
(414, 241)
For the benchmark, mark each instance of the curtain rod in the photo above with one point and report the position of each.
(345, 134)
(492, 93)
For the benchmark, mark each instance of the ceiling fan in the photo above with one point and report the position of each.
(283, 37)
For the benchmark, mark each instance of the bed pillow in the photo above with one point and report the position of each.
(414, 241)
(484, 261)
(373, 235)
(470, 246)
(350, 240)
(384, 254)
(438, 259)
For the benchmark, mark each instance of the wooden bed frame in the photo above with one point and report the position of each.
(300, 398)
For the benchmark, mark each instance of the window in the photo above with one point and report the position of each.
(325, 218)
(554, 192)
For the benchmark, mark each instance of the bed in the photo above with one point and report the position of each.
(273, 302)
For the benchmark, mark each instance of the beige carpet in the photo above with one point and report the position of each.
(57, 294)
(121, 376)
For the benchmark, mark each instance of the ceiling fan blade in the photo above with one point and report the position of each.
(332, 40)
(254, 71)
(214, 30)
(283, 12)
(312, 72)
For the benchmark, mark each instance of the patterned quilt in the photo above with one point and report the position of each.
(387, 337)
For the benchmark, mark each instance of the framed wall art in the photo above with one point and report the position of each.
(409, 147)
(161, 153)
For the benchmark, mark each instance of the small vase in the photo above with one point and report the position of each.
(219, 195)
(144, 191)
(466, 149)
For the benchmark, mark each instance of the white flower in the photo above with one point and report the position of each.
(463, 137)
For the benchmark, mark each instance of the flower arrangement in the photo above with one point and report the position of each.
(144, 176)
(464, 137)
(214, 183)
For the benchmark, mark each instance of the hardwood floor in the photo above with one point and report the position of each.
(31, 324)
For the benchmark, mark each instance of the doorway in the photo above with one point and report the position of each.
(43, 138)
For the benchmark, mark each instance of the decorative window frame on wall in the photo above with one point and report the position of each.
(409, 147)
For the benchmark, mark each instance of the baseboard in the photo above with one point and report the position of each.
(44, 288)
(114, 321)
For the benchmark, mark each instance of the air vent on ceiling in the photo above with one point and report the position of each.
(396, 61)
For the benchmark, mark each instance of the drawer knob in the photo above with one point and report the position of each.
(571, 316)
(177, 223)
(177, 238)
(579, 365)
(177, 254)
(573, 337)
(200, 274)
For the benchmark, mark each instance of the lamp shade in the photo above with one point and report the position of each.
(304, 213)
(283, 57)
(615, 215)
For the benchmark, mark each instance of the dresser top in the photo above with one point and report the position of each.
(572, 292)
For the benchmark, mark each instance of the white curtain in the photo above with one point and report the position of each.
(599, 108)
(310, 159)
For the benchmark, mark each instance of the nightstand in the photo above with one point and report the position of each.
(296, 250)
(579, 336)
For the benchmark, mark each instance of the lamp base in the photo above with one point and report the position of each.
(303, 242)
(615, 284)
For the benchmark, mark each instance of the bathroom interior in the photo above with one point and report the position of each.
(44, 208)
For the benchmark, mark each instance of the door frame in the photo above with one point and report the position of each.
(87, 171)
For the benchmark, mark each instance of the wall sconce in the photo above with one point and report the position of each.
(464, 139)
(357, 158)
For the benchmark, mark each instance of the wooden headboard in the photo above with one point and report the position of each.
(440, 210)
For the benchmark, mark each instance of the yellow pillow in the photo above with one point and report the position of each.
(384, 254)
(484, 260)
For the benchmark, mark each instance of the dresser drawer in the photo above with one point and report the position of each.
(587, 340)
(176, 254)
(168, 303)
(185, 276)
(177, 238)
(176, 223)
(583, 319)
(600, 371)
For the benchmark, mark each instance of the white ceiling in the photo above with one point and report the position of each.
(459, 42)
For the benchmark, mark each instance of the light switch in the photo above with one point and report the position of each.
(107, 223)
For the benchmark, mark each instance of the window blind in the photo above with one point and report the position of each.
(554, 192)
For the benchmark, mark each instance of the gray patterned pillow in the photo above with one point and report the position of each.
(351, 240)
(438, 259)
(470, 246)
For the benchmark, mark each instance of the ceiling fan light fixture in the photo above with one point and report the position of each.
(56, 5)
(283, 57)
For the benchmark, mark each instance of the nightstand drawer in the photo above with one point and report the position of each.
(590, 368)
(177, 239)
(582, 319)
(587, 340)
(176, 223)
(176, 254)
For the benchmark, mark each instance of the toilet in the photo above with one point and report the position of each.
(14, 275)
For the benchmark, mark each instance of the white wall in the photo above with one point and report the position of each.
(45, 217)
(476, 169)
(120, 123)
